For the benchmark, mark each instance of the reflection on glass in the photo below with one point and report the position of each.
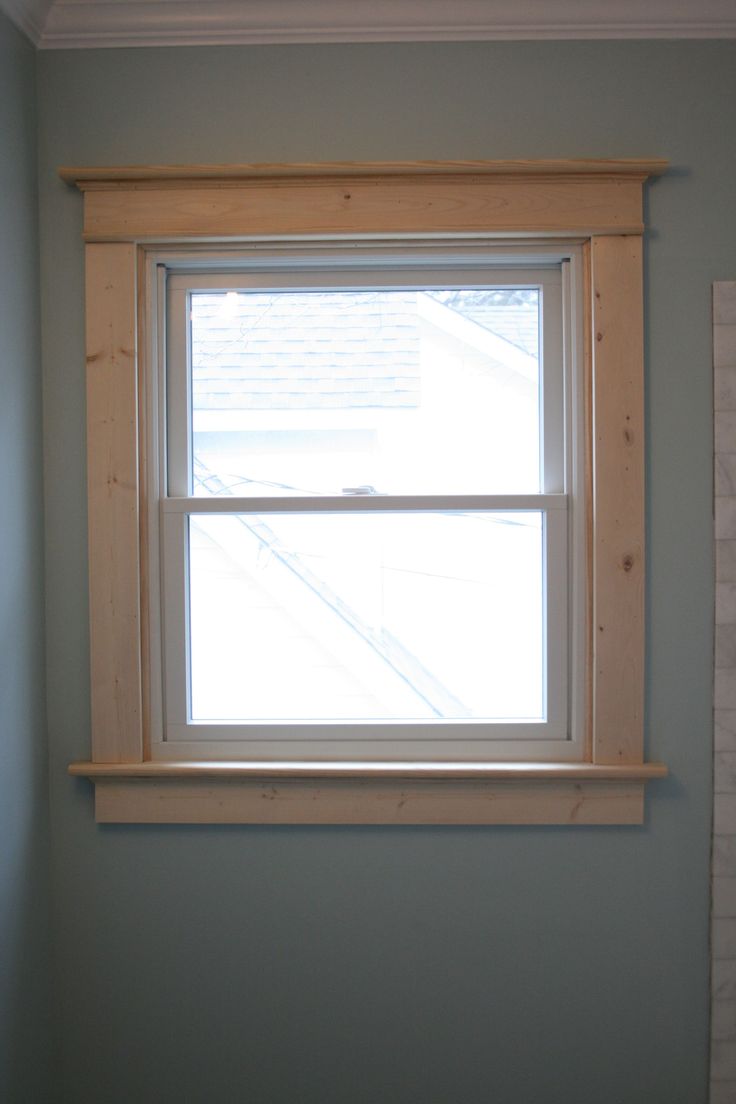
(366, 616)
(406, 392)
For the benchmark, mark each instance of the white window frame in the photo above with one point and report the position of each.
(298, 265)
(131, 214)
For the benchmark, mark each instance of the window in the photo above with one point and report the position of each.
(366, 532)
(364, 481)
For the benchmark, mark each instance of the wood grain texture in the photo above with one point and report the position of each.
(587, 374)
(352, 801)
(598, 200)
(281, 769)
(618, 499)
(112, 482)
(536, 205)
(89, 177)
(144, 320)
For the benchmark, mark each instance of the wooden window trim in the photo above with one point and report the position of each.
(129, 210)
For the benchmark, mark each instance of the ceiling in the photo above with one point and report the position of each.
(74, 24)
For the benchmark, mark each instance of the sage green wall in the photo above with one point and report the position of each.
(24, 909)
(436, 966)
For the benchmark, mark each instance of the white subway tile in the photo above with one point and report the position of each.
(724, 896)
(726, 646)
(725, 431)
(726, 561)
(725, 730)
(725, 688)
(724, 773)
(724, 346)
(723, 979)
(724, 388)
(725, 603)
(724, 856)
(724, 943)
(724, 815)
(725, 502)
(725, 483)
(724, 302)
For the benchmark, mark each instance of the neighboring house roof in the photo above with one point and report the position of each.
(308, 350)
(512, 315)
(336, 350)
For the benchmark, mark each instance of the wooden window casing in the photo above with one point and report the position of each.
(130, 211)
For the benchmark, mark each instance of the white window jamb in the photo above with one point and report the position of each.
(563, 473)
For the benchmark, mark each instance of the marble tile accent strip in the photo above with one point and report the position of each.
(723, 934)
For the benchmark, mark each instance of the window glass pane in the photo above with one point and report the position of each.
(401, 392)
(367, 616)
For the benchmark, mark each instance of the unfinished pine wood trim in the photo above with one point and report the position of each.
(494, 771)
(618, 499)
(89, 177)
(368, 793)
(600, 202)
(587, 321)
(378, 205)
(112, 486)
(505, 197)
(364, 801)
(144, 415)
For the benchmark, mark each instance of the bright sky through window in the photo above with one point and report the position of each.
(307, 617)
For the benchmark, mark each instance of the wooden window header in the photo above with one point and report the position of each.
(89, 177)
(540, 198)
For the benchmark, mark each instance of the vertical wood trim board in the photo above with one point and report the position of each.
(112, 484)
(618, 499)
(587, 321)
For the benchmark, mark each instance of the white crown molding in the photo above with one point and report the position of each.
(72, 24)
(28, 15)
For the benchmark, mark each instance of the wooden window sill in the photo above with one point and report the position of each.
(368, 793)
